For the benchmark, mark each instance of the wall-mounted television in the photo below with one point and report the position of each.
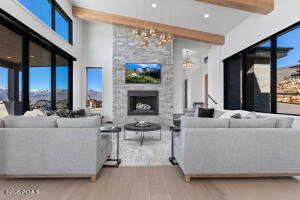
(142, 73)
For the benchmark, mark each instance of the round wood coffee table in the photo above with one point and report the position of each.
(142, 130)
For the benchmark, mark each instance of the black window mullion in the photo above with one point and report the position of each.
(71, 32)
(273, 81)
(53, 81)
(25, 74)
(70, 85)
(53, 15)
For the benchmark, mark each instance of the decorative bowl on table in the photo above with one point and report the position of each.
(143, 124)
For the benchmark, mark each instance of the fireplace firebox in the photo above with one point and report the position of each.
(143, 102)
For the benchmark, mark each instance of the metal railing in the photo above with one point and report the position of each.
(216, 103)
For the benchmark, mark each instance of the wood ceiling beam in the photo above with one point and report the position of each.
(93, 15)
(256, 6)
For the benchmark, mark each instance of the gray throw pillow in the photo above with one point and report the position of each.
(236, 116)
(29, 122)
(88, 122)
(253, 123)
(284, 122)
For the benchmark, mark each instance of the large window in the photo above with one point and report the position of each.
(39, 77)
(52, 15)
(62, 83)
(10, 72)
(94, 88)
(270, 75)
(41, 8)
(34, 73)
(61, 25)
(288, 72)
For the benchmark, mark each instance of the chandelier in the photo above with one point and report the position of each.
(187, 62)
(152, 34)
(147, 35)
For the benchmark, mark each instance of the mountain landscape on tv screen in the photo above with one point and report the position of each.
(142, 73)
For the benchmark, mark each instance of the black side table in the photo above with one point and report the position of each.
(173, 129)
(117, 130)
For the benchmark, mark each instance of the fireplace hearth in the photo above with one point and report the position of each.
(143, 102)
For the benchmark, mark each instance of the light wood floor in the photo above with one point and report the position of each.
(155, 183)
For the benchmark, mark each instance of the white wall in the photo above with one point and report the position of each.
(254, 29)
(97, 51)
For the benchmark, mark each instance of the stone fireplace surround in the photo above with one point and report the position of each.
(127, 49)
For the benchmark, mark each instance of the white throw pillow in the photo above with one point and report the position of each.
(34, 113)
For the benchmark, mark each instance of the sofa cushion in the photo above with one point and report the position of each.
(205, 112)
(253, 123)
(195, 122)
(29, 122)
(88, 122)
(2, 123)
(284, 122)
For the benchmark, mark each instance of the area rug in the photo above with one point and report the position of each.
(151, 153)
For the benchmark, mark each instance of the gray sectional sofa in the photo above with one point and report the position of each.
(237, 147)
(52, 147)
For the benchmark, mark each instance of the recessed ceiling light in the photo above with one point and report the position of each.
(206, 16)
(154, 5)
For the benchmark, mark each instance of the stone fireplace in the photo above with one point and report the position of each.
(143, 102)
(159, 97)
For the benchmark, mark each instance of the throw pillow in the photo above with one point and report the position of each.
(236, 116)
(253, 123)
(229, 113)
(253, 115)
(284, 122)
(206, 112)
(34, 113)
(218, 113)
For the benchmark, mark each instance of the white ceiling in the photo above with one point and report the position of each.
(184, 13)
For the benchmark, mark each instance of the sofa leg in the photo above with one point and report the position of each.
(187, 178)
(93, 178)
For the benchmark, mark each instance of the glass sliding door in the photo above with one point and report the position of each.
(288, 72)
(62, 84)
(11, 72)
(39, 77)
(257, 78)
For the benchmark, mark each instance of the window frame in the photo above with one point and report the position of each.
(273, 81)
(86, 82)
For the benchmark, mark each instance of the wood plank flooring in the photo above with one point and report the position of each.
(153, 183)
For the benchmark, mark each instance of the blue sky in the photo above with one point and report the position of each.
(94, 77)
(134, 66)
(290, 39)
